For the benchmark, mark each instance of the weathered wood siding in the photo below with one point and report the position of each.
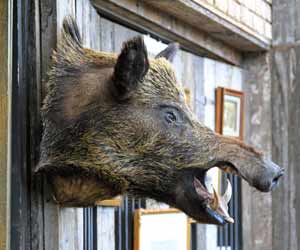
(216, 74)
(55, 228)
(272, 221)
(4, 105)
(142, 16)
(106, 228)
(44, 212)
(286, 123)
(257, 206)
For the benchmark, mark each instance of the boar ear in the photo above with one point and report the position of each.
(169, 52)
(70, 31)
(132, 65)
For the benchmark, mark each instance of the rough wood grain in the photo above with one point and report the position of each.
(217, 24)
(256, 206)
(105, 228)
(3, 123)
(47, 42)
(71, 229)
(146, 18)
(285, 123)
(34, 83)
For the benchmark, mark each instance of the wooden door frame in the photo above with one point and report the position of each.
(20, 168)
(5, 97)
(30, 226)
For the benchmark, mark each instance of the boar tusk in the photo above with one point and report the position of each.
(201, 191)
(229, 219)
(228, 193)
(215, 204)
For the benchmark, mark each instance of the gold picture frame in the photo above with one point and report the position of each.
(187, 94)
(142, 224)
(229, 112)
(115, 202)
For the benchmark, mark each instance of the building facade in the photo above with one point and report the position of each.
(246, 45)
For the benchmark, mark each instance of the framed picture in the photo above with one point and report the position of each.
(167, 229)
(115, 202)
(187, 93)
(229, 112)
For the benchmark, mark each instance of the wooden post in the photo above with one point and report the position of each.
(4, 107)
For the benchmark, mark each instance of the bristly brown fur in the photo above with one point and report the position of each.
(116, 124)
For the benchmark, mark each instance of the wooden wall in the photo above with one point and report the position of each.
(272, 221)
(272, 107)
(216, 74)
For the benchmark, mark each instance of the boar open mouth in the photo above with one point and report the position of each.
(202, 202)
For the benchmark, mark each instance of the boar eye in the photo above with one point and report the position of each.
(170, 117)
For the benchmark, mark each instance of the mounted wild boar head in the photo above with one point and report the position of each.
(120, 124)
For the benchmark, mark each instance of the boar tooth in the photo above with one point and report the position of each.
(215, 204)
(201, 190)
(229, 219)
(228, 193)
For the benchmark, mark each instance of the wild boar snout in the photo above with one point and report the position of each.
(269, 177)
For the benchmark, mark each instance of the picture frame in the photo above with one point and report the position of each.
(168, 229)
(115, 202)
(187, 93)
(229, 118)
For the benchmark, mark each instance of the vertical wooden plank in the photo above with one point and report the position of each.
(197, 104)
(107, 35)
(37, 239)
(79, 15)
(64, 7)
(26, 214)
(210, 83)
(285, 135)
(71, 229)
(48, 29)
(106, 215)
(4, 99)
(198, 88)
(96, 29)
(178, 64)
(257, 206)
(70, 224)
(122, 34)
(88, 22)
(285, 123)
(105, 228)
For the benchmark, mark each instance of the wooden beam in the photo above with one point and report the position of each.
(145, 18)
(217, 24)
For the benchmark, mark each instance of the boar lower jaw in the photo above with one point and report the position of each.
(193, 197)
(215, 202)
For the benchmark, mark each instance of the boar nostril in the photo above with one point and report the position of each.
(276, 179)
(281, 173)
